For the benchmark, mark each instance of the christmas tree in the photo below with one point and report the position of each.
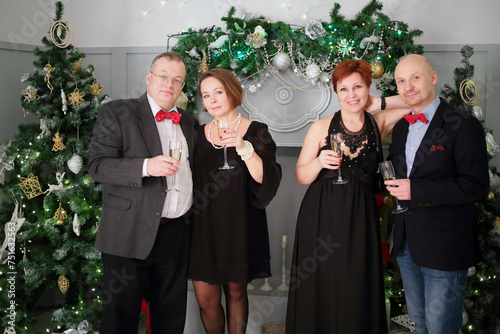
(482, 300)
(48, 261)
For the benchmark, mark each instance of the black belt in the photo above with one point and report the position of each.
(164, 221)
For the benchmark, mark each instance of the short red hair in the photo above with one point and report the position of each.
(350, 66)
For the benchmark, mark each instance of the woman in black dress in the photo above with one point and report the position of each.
(336, 285)
(230, 243)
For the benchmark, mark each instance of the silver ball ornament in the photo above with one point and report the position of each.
(282, 61)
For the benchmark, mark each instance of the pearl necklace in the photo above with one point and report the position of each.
(238, 119)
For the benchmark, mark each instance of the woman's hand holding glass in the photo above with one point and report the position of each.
(232, 138)
(329, 159)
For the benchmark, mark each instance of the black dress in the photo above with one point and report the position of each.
(230, 241)
(336, 285)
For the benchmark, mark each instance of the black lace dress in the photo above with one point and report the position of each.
(230, 241)
(336, 285)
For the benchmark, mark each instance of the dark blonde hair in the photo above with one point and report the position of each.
(233, 88)
(171, 56)
(350, 66)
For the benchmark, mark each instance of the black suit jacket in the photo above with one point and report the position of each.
(124, 135)
(449, 173)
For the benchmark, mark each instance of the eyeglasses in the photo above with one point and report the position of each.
(164, 79)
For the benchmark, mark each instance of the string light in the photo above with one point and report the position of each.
(163, 4)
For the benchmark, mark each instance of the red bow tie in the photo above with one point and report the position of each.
(174, 116)
(412, 118)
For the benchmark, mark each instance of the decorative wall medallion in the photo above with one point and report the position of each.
(283, 95)
(296, 103)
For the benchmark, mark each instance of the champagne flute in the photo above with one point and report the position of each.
(388, 173)
(337, 141)
(224, 124)
(175, 151)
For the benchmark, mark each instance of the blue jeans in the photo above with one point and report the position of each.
(433, 297)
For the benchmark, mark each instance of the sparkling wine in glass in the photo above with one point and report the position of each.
(337, 141)
(388, 173)
(222, 125)
(175, 151)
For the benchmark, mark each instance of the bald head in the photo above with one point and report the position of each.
(415, 80)
(413, 60)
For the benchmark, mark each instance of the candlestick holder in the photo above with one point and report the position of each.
(283, 286)
(266, 286)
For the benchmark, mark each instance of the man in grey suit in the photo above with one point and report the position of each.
(144, 231)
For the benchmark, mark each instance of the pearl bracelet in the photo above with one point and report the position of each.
(246, 152)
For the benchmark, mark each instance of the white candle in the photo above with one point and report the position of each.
(283, 238)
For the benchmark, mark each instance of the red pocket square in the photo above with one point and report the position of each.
(437, 147)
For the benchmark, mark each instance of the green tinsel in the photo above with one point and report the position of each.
(248, 62)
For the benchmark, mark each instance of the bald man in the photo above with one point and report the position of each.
(439, 154)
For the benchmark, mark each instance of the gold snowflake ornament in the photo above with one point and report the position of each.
(95, 88)
(76, 97)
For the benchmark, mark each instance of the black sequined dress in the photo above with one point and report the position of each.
(336, 285)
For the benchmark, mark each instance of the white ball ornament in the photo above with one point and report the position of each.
(312, 71)
(472, 271)
(75, 163)
(282, 61)
(324, 77)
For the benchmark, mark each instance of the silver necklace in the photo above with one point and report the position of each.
(238, 119)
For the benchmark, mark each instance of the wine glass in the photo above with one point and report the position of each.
(337, 141)
(224, 124)
(175, 151)
(388, 173)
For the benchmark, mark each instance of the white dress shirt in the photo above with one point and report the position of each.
(177, 203)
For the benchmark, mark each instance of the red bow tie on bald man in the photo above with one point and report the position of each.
(412, 118)
(174, 116)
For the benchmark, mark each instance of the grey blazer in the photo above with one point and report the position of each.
(124, 135)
